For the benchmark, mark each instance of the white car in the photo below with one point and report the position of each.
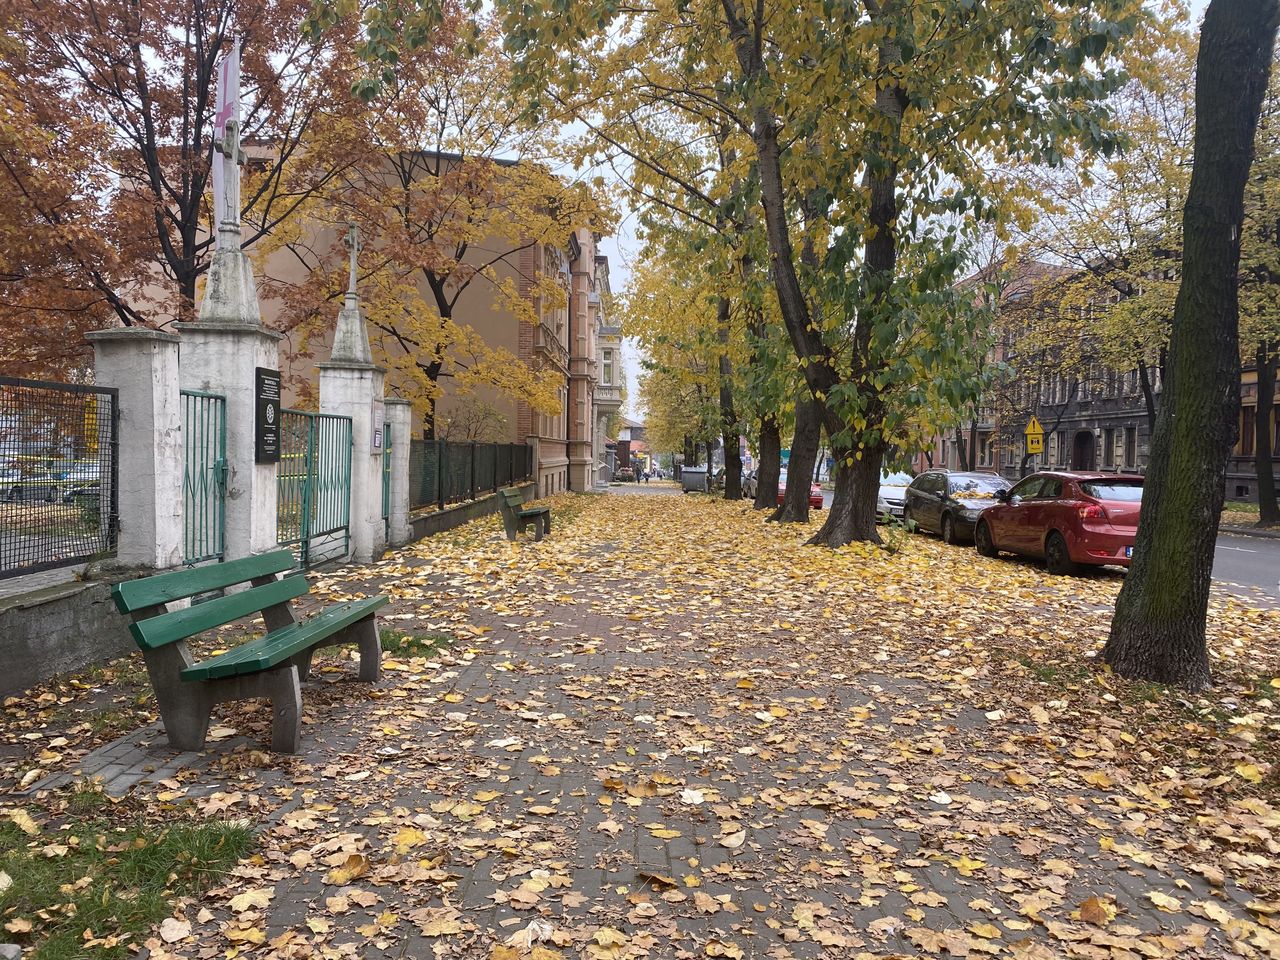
(893, 494)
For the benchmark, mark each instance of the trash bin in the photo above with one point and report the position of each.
(693, 478)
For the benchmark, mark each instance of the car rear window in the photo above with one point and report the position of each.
(1129, 491)
(978, 485)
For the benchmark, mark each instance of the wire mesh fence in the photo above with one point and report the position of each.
(58, 453)
(441, 473)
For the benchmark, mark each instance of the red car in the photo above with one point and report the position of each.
(1070, 519)
(815, 492)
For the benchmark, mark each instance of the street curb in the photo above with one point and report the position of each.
(1249, 532)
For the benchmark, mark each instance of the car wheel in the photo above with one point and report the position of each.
(15, 494)
(1056, 556)
(906, 517)
(949, 530)
(982, 540)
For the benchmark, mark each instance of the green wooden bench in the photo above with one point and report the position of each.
(272, 666)
(515, 517)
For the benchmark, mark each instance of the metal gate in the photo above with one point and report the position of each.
(204, 475)
(313, 486)
(386, 481)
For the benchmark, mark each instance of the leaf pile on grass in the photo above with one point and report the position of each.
(91, 887)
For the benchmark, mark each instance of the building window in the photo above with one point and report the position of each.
(1248, 419)
(986, 451)
(1062, 447)
(1130, 447)
(606, 375)
(1109, 447)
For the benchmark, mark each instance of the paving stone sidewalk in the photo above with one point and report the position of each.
(615, 765)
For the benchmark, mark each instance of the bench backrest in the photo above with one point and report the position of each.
(137, 596)
(512, 499)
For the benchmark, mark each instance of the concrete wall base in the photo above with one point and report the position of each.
(428, 524)
(59, 629)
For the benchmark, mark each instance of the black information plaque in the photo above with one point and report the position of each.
(266, 435)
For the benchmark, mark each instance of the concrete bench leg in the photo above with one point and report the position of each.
(184, 707)
(286, 709)
(370, 646)
(303, 662)
(186, 719)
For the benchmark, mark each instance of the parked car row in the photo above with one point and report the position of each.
(41, 486)
(1070, 519)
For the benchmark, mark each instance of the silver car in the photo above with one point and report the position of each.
(893, 495)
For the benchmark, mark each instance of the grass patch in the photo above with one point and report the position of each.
(398, 643)
(1235, 507)
(87, 798)
(92, 888)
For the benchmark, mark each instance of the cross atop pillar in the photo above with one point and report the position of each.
(351, 339)
(231, 296)
(230, 156)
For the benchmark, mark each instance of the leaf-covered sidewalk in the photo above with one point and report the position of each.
(672, 731)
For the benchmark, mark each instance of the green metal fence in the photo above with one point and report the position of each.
(204, 475)
(386, 479)
(441, 473)
(313, 486)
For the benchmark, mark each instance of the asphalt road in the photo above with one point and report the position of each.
(1248, 567)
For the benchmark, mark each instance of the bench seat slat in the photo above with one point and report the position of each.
(281, 645)
(533, 512)
(181, 624)
(134, 595)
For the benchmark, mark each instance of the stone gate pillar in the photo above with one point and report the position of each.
(400, 417)
(351, 386)
(143, 366)
(222, 353)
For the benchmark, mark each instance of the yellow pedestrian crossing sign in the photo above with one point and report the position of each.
(1035, 436)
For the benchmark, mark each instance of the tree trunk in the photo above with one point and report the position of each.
(732, 439)
(962, 457)
(1268, 509)
(690, 453)
(853, 512)
(770, 464)
(804, 451)
(856, 517)
(1148, 398)
(1158, 632)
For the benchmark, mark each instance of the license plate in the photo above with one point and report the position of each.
(1128, 553)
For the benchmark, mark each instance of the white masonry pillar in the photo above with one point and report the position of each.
(143, 366)
(224, 359)
(222, 353)
(400, 419)
(351, 386)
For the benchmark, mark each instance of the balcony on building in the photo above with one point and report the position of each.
(546, 342)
